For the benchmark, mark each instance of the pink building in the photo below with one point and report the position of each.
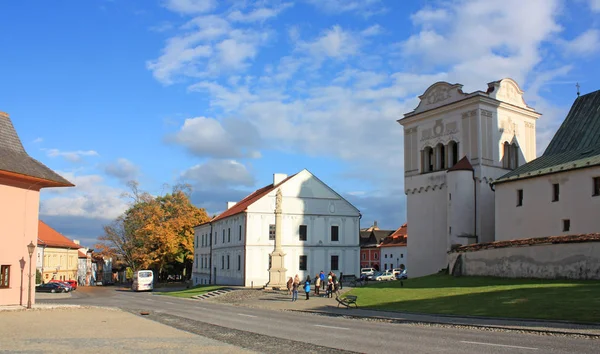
(21, 178)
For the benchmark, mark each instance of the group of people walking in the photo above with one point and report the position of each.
(328, 282)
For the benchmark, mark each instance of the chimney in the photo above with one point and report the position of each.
(375, 224)
(76, 242)
(230, 204)
(278, 178)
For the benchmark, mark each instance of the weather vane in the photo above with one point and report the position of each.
(577, 89)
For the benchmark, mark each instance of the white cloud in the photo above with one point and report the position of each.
(208, 137)
(333, 43)
(362, 7)
(210, 46)
(190, 6)
(260, 14)
(595, 5)
(484, 40)
(89, 198)
(372, 31)
(218, 174)
(73, 156)
(585, 44)
(428, 16)
(38, 140)
(122, 169)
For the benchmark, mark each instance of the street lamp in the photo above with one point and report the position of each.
(30, 249)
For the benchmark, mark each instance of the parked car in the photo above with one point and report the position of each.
(64, 284)
(387, 275)
(73, 283)
(402, 275)
(367, 271)
(50, 288)
(396, 271)
(374, 275)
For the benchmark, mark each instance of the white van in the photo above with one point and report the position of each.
(367, 271)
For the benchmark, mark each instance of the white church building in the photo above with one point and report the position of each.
(320, 232)
(455, 145)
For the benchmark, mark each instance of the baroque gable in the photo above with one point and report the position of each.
(507, 90)
(439, 94)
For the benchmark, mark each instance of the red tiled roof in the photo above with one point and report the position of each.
(49, 237)
(595, 237)
(243, 204)
(462, 165)
(397, 239)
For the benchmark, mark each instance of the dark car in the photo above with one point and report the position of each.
(50, 288)
(402, 275)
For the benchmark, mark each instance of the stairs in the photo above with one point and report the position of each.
(212, 294)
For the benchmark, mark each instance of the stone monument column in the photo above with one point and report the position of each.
(277, 272)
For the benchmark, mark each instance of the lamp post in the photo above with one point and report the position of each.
(30, 249)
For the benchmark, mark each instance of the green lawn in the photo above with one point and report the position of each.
(197, 290)
(486, 296)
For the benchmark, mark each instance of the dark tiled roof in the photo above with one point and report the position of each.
(381, 234)
(595, 237)
(575, 145)
(14, 158)
(462, 165)
(249, 200)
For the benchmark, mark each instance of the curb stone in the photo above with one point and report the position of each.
(453, 324)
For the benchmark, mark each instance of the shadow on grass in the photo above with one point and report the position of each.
(568, 302)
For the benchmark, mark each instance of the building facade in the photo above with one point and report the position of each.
(370, 238)
(494, 130)
(558, 193)
(320, 232)
(60, 254)
(393, 249)
(21, 179)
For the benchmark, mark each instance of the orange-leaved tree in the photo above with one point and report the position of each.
(157, 232)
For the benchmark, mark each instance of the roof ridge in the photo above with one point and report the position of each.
(17, 162)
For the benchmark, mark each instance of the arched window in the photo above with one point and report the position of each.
(506, 155)
(427, 159)
(440, 157)
(452, 153)
(510, 159)
(514, 156)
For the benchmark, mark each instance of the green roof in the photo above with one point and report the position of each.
(575, 145)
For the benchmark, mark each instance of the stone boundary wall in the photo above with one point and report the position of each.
(571, 257)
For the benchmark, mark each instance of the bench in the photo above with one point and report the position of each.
(347, 300)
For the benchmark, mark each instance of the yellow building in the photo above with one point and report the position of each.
(59, 254)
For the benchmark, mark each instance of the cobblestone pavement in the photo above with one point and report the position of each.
(98, 330)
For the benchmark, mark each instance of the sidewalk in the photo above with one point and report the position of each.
(329, 306)
(64, 329)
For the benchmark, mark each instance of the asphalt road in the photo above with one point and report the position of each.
(354, 335)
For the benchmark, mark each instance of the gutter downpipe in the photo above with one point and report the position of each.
(210, 254)
(245, 251)
(475, 206)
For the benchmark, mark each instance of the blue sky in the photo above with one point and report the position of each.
(222, 94)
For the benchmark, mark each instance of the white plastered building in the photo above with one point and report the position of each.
(320, 232)
(455, 145)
